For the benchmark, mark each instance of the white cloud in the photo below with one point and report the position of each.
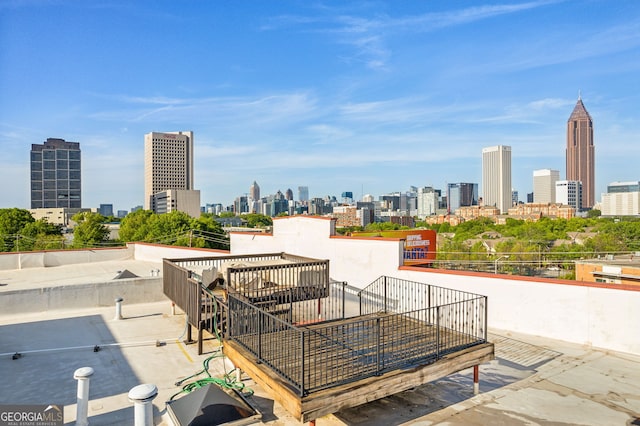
(271, 109)
(368, 36)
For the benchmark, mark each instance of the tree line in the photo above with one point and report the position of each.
(19, 231)
(525, 241)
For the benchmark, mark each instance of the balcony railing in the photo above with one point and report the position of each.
(311, 356)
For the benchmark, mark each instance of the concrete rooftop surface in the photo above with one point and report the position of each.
(73, 274)
(532, 381)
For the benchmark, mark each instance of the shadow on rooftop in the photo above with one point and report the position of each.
(50, 352)
(514, 361)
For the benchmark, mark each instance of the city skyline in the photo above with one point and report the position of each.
(369, 97)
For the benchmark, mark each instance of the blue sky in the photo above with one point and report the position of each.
(370, 96)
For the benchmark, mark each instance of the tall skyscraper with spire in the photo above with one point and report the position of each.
(581, 152)
(254, 191)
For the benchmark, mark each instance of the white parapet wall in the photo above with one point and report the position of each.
(45, 259)
(572, 311)
(71, 279)
(157, 252)
(79, 296)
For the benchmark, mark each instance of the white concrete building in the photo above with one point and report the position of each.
(496, 177)
(427, 202)
(569, 192)
(57, 216)
(621, 204)
(544, 185)
(177, 200)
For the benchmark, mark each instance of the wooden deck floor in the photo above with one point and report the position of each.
(353, 361)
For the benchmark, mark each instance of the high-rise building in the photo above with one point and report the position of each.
(390, 201)
(288, 195)
(168, 163)
(461, 194)
(514, 198)
(581, 152)
(303, 193)
(254, 191)
(529, 197)
(183, 200)
(496, 177)
(427, 199)
(317, 206)
(621, 199)
(55, 174)
(633, 186)
(569, 192)
(544, 185)
(240, 205)
(621, 204)
(106, 210)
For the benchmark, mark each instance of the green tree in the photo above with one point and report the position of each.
(346, 230)
(256, 220)
(11, 223)
(135, 226)
(472, 228)
(90, 230)
(627, 231)
(41, 235)
(593, 213)
(209, 233)
(443, 227)
(175, 228)
(382, 226)
(605, 243)
(170, 228)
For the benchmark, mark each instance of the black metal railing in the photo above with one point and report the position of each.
(389, 294)
(318, 355)
(284, 284)
(273, 282)
(315, 333)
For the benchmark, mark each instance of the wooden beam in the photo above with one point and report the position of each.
(318, 404)
(335, 399)
(279, 390)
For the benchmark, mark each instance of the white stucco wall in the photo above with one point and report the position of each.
(79, 296)
(156, 252)
(601, 317)
(42, 259)
(355, 260)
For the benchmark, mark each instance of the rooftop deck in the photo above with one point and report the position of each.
(284, 323)
(531, 381)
